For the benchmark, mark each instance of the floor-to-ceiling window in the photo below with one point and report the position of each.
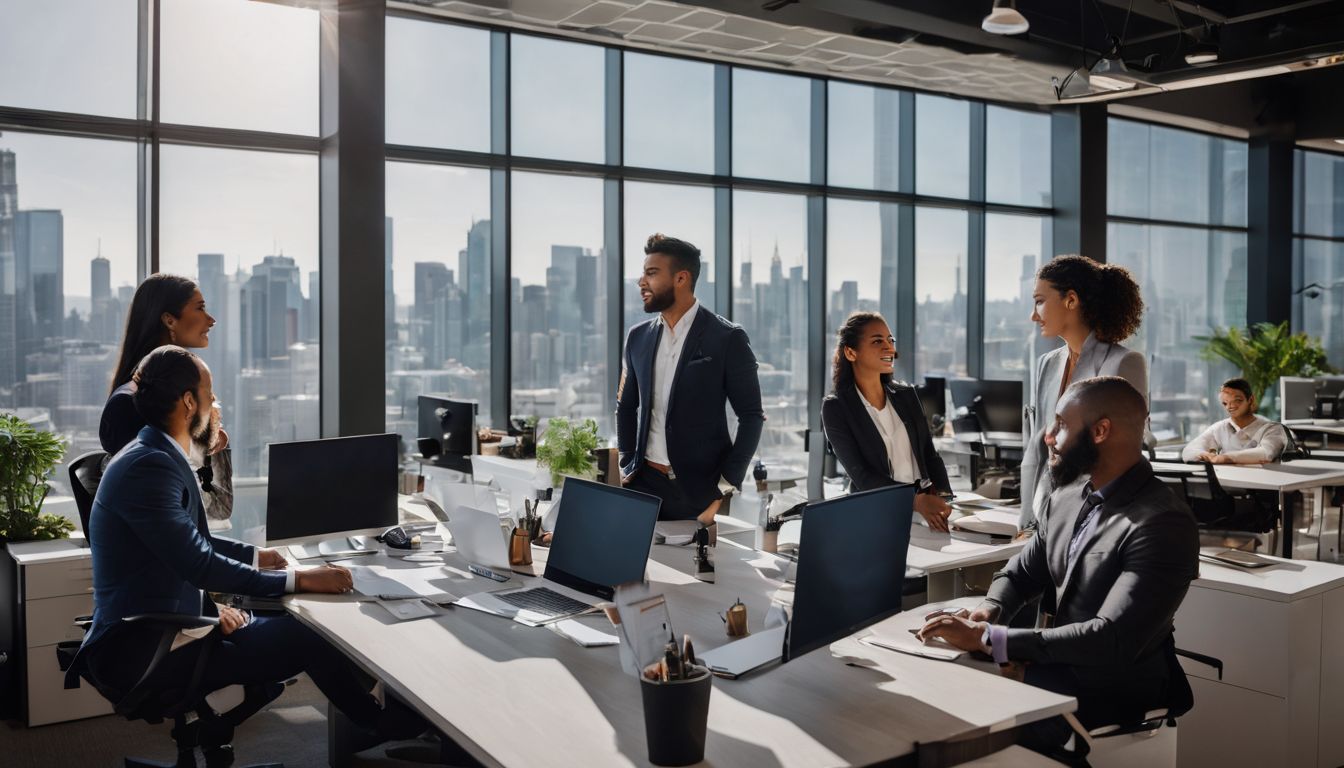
(1318, 250)
(1177, 206)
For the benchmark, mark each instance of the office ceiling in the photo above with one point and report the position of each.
(938, 45)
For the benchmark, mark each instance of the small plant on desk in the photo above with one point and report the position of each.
(567, 449)
(27, 457)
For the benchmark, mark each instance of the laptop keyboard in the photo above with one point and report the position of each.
(543, 600)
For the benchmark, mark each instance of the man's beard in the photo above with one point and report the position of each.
(204, 430)
(1076, 459)
(657, 302)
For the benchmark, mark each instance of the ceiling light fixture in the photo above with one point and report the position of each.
(1205, 49)
(1005, 19)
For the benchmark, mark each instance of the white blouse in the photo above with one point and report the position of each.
(900, 458)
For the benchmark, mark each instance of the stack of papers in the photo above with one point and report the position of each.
(992, 521)
(904, 642)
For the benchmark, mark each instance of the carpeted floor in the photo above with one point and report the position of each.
(293, 731)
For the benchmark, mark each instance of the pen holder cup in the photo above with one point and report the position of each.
(520, 547)
(676, 715)
(735, 621)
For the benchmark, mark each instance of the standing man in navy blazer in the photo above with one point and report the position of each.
(153, 553)
(679, 370)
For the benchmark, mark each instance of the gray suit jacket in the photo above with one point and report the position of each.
(1097, 359)
(1112, 626)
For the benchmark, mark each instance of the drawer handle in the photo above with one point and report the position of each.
(1202, 659)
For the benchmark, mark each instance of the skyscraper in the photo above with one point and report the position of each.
(104, 312)
(39, 276)
(9, 205)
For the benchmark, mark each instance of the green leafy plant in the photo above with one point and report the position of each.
(567, 449)
(1263, 353)
(27, 458)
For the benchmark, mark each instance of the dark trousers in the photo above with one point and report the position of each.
(269, 649)
(675, 504)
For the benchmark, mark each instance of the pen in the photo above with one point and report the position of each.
(687, 653)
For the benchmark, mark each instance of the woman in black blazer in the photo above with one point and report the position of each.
(877, 426)
(166, 309)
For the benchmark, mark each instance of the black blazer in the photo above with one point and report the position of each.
(121, 422)
(716, 367)
(859, 447)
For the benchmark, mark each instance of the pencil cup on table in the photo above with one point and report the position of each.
(676, 716)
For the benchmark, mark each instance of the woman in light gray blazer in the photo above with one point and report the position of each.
(1092, 307)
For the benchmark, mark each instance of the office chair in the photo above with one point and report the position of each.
(1217, 508)
(209, 731)
(85, 474)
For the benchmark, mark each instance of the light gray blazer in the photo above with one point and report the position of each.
(1097, 359)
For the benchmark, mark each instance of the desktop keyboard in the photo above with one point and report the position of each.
(543, 600)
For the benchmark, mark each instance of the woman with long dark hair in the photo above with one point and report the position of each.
(876, 425)
(167, 309)
(1092, 307)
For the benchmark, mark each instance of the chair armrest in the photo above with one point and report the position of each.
(178, 620)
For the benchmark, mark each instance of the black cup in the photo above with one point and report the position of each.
(676, 714)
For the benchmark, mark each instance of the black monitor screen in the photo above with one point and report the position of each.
(602, 537)
(322, 487)
(1000, 402)
(851, 565)
(1330, 386)
(932, 397)
(451, 424)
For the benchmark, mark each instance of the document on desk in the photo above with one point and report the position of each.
(377, 581)
(904, 642)
(583, 634)
(991, 521)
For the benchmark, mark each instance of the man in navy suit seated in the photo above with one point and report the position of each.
(153, 553)
(680, 368)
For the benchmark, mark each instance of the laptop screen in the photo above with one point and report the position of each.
(324, 487)
(602, 537)
(851, 565)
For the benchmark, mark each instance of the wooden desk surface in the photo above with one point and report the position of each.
(516, 695)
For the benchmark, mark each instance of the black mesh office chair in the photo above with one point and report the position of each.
(211, 732)
(1217, 508)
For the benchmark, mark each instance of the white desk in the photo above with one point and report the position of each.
(1287, 478)
(1326, 428)
(939, 556)
(478, 677)
(1281, 698)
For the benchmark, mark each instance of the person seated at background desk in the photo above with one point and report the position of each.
(876, 425)
(1244, 437)
(153, 553)
(1113, 557)
(679, 370)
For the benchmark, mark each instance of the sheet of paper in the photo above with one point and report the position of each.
(584, 635)
(432, 582)
(907, 643)
(409, 610)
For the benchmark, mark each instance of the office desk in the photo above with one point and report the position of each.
(1325, 429)
(1288, 480)
(939, 556)
(515, 695)
(1281, 697)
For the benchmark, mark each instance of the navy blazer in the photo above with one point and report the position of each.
(152, 548)
(121, 422)
(859, 446)
(716, 367)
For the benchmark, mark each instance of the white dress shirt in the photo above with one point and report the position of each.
(665, 360)
(900, 458)
(1261, 440)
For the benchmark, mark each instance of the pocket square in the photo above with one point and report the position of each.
(704, 359)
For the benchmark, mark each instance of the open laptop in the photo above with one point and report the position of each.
(851, 570)
(602, 538)
(480, 541)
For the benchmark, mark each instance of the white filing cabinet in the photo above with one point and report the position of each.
(1281, 697)
(55, 583)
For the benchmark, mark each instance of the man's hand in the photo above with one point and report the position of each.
(328, 579)
(1222, 459)
(960, 633)
(231, 620)
(934, 511)
(221, 442)
(271, 560)
(983, 612)
(706, 518)
(1208, 456)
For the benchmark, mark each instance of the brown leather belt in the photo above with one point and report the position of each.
(664, 468)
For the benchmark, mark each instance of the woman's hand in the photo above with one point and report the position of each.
(934, 510)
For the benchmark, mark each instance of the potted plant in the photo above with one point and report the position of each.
(567, 449)
(1263, 353)
(27, 458)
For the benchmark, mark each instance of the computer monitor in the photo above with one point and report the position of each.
(1330, 385)
(1297, 397)
(933, 398)
(447, 430)
(602, 537)
(851, 566)
(321, 489)
(1000, 405)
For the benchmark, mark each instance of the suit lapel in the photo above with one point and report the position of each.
(164, 443)
(1063, 516)
(645, 373)
(874, 449)
(688, 350)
